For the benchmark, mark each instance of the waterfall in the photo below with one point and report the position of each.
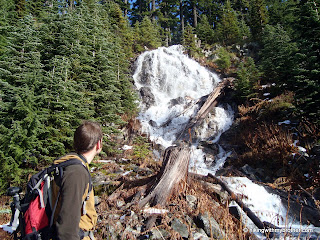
(171, 84)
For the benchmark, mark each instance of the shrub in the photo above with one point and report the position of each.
(224, 59)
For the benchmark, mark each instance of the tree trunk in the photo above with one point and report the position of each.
(181, 17)
(195, 17)
(126, 10)
(174, 170)
(153, 10)
(209, 104)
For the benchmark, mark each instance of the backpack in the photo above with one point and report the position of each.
(36, 210)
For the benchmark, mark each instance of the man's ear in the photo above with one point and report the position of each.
(99, 145)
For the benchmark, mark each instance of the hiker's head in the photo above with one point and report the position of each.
(86, 136)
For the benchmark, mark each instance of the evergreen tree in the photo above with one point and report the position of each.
(169, 22)
(205, 31)
(139, 10)
(258, 18)
(121, 27)
(189, 40)
(7, 16)
(20, 128)
(283, 13)
(212, 9)
(224, 59)
(147, 35)
(20, 7)
(307, 72)
(228, 30)
(248, 78)
(277, 61)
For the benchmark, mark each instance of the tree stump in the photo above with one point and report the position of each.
(173, 170)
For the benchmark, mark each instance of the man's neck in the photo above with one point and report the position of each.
(89, 155)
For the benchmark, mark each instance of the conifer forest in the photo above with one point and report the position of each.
(64, 61)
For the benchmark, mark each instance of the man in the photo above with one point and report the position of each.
(75, 217)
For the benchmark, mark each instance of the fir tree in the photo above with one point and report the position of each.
(276, 55)
(147, 35)
(20, 128)
(248, 78)
(189, 40)
(258, 18)
(307, 72)
(205, 30)
(228, 30)
(7, 17)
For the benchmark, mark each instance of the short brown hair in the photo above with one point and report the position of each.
(86, 136)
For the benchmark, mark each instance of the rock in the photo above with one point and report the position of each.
(159, 233)
(210, 226)
(176, 101)
(97, 200)
(224, 196)
(192, 201)
(315, 150)
(153, 123)
(98, 179)
(252, 173)
(180, 227)
(120, 203)
(246, 169)
(233, 210)
(147, 96)
(200, 234)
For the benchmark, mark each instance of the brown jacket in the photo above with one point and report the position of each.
(69, 216)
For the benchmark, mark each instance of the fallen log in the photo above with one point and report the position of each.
(233, 196)
(208, 105)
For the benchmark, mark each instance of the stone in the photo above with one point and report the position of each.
(200, 234)
(147, 96)
(210, 226)
(159, 233)
(120, 203)
(180, 227)
(191, 200)
(97, 200)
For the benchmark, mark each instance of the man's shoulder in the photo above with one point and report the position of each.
(76, 168)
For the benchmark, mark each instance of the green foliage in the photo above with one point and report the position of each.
(141, 149)
(258, 17)
(205, 31)
(7, 16)
(147, 35)
(228, 29)
(189, 41)
(283, 13)
(54, 73)
(247, 79)
(20, 127)
(277, 60)
(224, 59)
(307, 71)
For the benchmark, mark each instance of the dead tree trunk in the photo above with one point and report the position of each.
(208, 105)
(174, 169)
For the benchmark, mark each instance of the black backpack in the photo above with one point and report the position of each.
(32, 217)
